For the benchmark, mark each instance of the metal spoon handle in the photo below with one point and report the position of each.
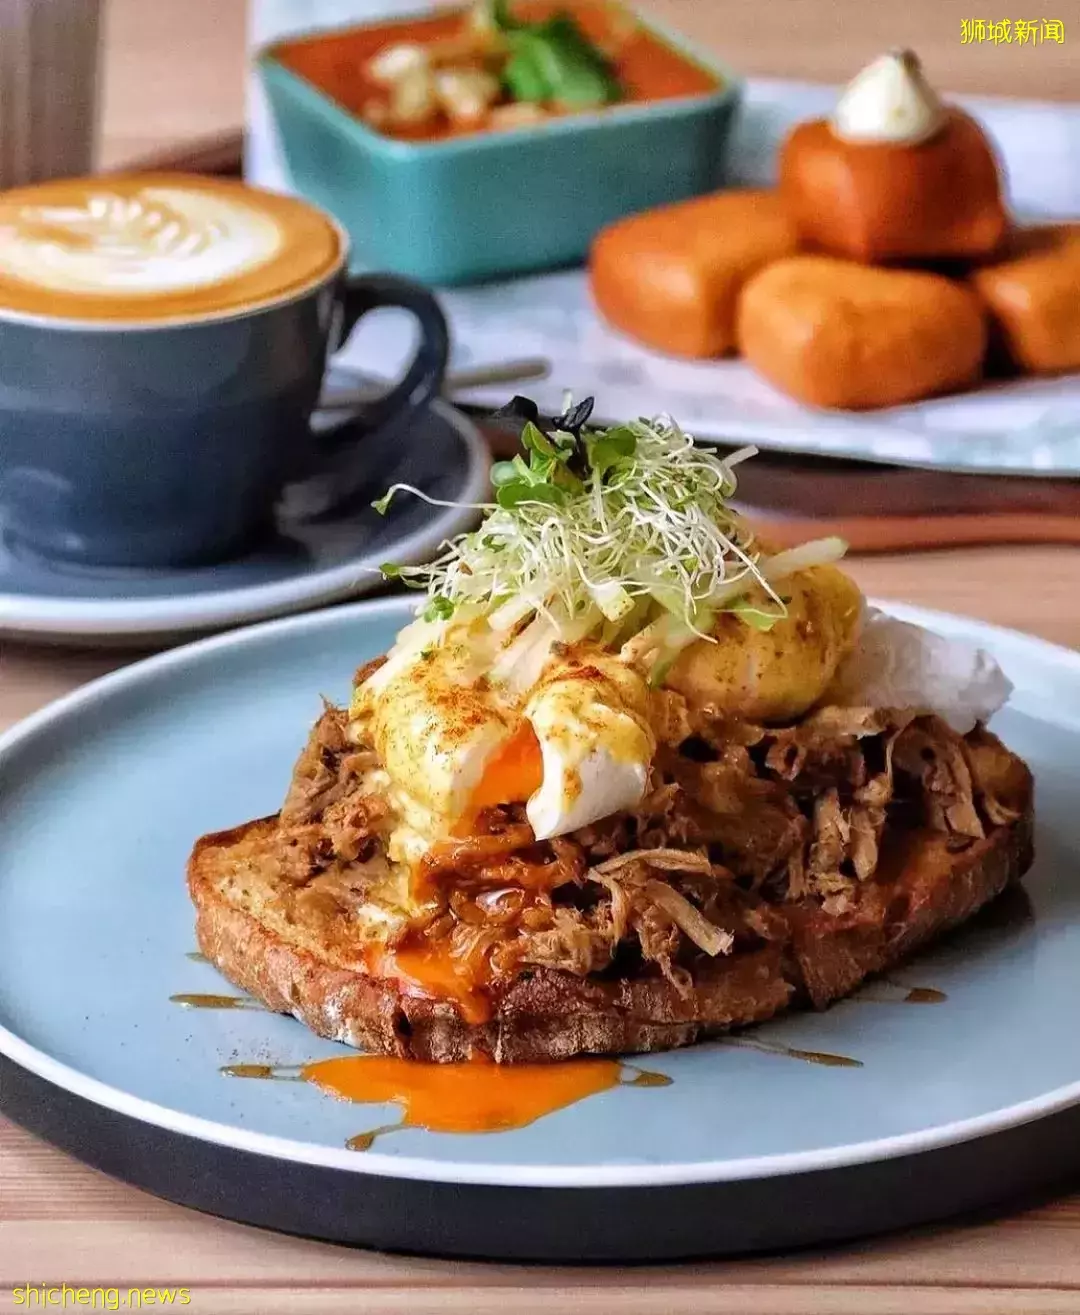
(480, 376)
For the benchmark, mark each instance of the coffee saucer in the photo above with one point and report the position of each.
(309, 560)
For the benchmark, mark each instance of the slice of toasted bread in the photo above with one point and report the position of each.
(925, 885)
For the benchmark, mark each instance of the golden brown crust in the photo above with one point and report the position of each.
(838, 334)
(1033, 295)
(670, 277)
(887, 201)
(925, 887)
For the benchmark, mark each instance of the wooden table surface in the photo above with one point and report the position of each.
(174, 71)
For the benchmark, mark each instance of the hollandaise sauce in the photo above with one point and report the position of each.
(468, 1097)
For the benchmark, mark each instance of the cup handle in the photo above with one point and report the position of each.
(427, 370)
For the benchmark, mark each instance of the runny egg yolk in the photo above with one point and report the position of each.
(458, 731)
(512, 775)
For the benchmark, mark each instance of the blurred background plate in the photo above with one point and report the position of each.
(1028, 427)
(1023, 427)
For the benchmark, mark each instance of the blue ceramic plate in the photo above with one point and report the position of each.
(313, 557)
(101, 795)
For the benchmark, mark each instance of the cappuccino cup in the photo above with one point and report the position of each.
(163, 344)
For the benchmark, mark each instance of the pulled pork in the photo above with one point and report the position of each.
(332, 827)
(739, 821)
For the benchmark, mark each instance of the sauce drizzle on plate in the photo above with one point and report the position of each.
(886, 991)
(203, 1000)
(791, 1052)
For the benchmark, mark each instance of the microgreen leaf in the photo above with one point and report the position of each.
(564, 478)
(521, 468)
(537, 472)
(626, 534)
(574, 418)
(390, 571)
(439, 608)
(512, 495)
(518, 408)
(503, 472)
(533, 439)
(608, 447)
(382, 505)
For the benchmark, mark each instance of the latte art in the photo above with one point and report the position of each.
(159, 240)
(157, 247)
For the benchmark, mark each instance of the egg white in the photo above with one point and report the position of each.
(899, 665)
(590, 716)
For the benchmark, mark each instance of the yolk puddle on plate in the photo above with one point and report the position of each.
(467, 1097)
(464, 1097)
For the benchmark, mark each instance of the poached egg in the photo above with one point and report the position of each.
(464, 718)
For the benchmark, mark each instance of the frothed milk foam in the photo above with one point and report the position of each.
(156, 247)
(156, 241)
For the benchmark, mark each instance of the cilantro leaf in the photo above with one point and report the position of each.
(554, 61)
(502, 17)
(524, 73)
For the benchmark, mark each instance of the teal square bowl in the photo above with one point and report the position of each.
(487, 204)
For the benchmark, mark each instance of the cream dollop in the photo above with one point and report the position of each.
(889, 101)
